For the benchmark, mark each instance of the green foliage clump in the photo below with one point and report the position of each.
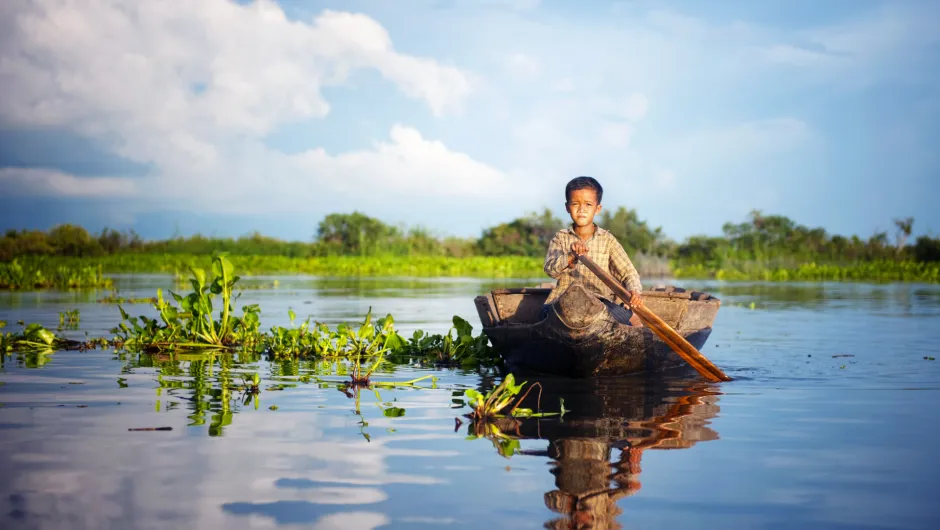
(192, 324)
(526, 236)
(884, 270)
(48, 273)
(354, 244)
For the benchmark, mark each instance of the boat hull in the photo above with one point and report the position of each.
(585, 336)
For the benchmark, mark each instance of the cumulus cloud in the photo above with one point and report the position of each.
(408, 163)
(474, 97)
(192, 90)
(38, 181)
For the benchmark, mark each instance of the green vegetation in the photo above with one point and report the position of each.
(769, 247)
(29, 273)
(69, 319)
(192, 324)
(36, 343)
(487, 419)
(884, 270)
(490, 406)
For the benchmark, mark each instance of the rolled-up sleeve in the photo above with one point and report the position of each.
(622, 268)
(556, 258)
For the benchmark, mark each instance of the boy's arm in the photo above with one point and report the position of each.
(556, 258)
(622, 268)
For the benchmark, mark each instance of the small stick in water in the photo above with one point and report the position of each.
(151, 429)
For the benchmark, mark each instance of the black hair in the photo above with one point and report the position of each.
(580, 183)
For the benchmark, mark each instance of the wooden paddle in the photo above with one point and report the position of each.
(661, 328)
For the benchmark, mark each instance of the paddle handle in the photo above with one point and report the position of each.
(665, 332)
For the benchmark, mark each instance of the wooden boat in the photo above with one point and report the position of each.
(588, 336)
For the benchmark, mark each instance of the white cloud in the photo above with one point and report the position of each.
(406, 165)
(620, 94)
(873, 47)
(37, 181)
(195, 90)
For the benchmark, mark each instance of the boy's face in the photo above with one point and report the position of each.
(583, 206)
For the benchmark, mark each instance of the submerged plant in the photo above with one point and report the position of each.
(490, 406)
(69, 319)
(489, 421)
(35, 338)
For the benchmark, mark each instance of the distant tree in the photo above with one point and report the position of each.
(353, 234)
(525, 236)
(633, 233)
(71, 240)
(419, 241)
(702, 250)
(927, 249)
(905, 227)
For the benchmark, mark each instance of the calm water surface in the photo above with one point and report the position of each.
(831, 422)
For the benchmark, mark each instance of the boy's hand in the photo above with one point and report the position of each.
(578, 248)
(635, 299)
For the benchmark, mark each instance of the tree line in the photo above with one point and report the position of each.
(770, 239)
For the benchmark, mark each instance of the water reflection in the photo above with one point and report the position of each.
(619, 418)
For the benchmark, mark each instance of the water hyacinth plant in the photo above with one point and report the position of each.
(490, 406)
(195, 323)
(192, 323)
(489, 421)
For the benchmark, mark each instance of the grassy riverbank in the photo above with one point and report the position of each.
(71, 272)
(877, 271)
(76, 273)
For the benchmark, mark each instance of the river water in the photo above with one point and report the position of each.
(831, 422)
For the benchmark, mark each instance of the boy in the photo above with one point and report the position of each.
(582, 202)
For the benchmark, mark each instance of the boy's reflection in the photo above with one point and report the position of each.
(619, 418)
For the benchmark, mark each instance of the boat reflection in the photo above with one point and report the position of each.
(620, 418)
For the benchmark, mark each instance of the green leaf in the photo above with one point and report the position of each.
(200, 277)
(462, 326)
(227, 266)
(395, 341)
(474, 396)
(508, 447)
(394, 412)
(46, 336)
(386, 323)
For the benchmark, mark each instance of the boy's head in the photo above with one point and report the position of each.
(583, 200)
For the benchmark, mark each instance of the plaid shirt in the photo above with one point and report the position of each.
(604, 249)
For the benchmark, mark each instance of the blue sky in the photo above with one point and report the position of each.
(460, 114)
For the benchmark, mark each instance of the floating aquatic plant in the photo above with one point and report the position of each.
(489, 421)
(491, 406)
(193, 324)
(69, 319)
